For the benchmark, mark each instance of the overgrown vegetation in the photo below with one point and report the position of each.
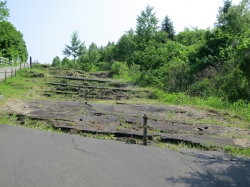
(204, 63)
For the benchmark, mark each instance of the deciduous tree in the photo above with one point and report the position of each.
(12, 45)
(146, 24)
(234, 19)
(75, 49)
(93, 53)
(4, 11)
(56, 62)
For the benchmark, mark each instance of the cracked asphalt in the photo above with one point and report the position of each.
(30, 157)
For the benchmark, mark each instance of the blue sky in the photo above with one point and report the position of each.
(47, 24)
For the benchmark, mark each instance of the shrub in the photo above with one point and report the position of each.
(119, 68)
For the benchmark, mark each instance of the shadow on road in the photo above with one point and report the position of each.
(220, 169)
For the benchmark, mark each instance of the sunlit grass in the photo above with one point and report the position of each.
(239, 109)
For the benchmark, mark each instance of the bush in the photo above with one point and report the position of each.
(104, 66)
(237, 87)
(119, 68)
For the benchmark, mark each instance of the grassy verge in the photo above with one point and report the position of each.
(21, 86)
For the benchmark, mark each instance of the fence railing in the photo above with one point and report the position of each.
(7, 72)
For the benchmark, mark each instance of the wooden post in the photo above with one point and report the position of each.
(21, 65)
(11, 72)
(24, 64)
(15, 72)
(5, 75)
(145, 129)
(30, 62)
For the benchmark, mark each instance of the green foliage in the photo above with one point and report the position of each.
(105, 66)
(211, 63)
(134, 72)
(84, 63)
(93, 54)
(119, 68)
(191, 36)
(76, 48)
(12, 45)
(56, 62)
(234, 19)
(146, 24)
(237, 86)
(107, 53)
(4, 11)
(125, 47)
(217, 48)
(66, 63)
(168, 27)
(244, 63)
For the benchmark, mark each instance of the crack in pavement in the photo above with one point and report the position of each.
(201, 175)
(89, 153)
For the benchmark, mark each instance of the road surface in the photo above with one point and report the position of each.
(34, 158)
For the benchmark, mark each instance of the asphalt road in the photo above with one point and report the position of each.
(2, 71)
(34, 158)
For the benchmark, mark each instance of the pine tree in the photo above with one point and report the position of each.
(167, 26)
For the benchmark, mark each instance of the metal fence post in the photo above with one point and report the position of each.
(145, 129)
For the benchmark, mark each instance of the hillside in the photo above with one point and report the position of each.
(92, 105)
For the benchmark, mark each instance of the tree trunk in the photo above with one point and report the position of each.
(75, 66)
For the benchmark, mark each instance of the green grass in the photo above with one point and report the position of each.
(29, 123)
(19, 86)
(240, 108)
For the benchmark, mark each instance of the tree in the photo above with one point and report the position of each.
(56, 62)
(84, 62)
(12, 45)
(4, 11)
(125, 47)
(76, 48)
(234, 19)
(146, 24)
(107, 52)
(167, 26)
(66, 63)
(191, 36)
(93, 54)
